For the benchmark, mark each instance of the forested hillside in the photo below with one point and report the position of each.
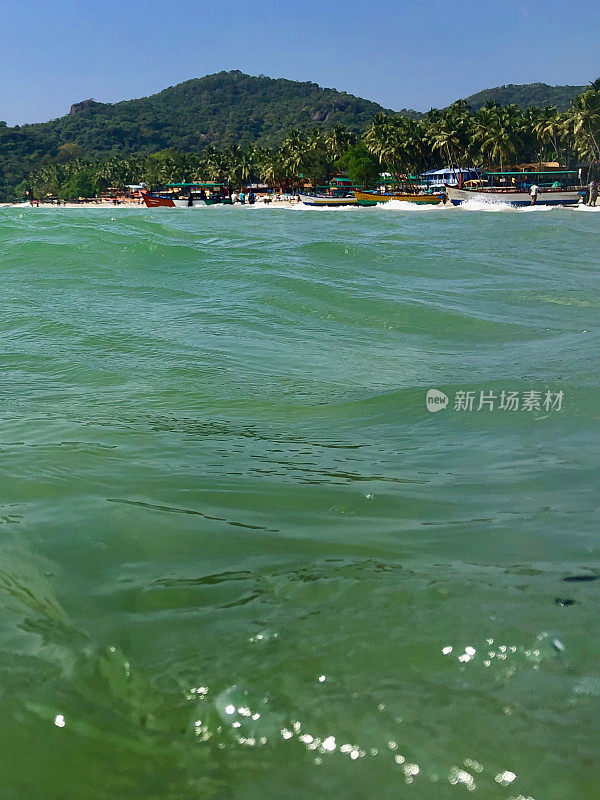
(231, 125)
(221, 109)
(527, 95)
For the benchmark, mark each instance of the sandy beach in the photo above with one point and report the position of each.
(114, 207)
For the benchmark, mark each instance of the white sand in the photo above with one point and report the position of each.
(113, 207)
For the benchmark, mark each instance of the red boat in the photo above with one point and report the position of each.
(194, 194)
(153, 201)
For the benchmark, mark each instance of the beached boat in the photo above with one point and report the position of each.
(158, 201)
(187, 195)
(514, 197)
(372, 198)
(513, 188)
(164, 201)
(328, 201)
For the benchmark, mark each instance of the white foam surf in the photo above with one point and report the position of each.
(495, 207)
(406, 205)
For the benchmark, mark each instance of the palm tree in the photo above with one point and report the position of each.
(377, 137)
(582, 122)
(548, 125)
(239, 165)
(398, 142)
(499, 132)
(444, 137)
(450, 132)
(338, 141)
(270, 165)
(293, 151)
(382, 140)
(215, 164)
(301, 153)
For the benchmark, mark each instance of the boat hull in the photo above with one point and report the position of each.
(322, 201)
(546, 197)
(372, 198)
(184, 203)
(155, 201)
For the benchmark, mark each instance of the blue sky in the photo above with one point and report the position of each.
(402, 54)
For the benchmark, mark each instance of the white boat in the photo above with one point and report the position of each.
(326, 201)
(514, 197)
(168, 201)
(513, 187)
(185, 203)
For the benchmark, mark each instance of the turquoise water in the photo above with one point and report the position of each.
(235, 546)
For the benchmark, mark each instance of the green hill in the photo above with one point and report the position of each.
(223, 108)
(527, 95)
(227, 108)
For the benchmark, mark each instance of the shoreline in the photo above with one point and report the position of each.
(114, 207)
(298, 205)
(407, 207)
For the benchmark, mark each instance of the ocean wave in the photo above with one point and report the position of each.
(402, 205)
(223, 495)
(499, 207)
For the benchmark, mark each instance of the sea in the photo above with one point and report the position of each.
(299, 503)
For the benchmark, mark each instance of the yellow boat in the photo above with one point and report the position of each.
(372, 198)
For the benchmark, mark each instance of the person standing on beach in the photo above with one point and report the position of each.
(533, 192)
(593, 193)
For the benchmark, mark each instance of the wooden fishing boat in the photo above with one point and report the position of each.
(328, 201)
(513, 188)
(187, 195)
(156, 201)
(162, 201)
(372, 198)
(514, 197)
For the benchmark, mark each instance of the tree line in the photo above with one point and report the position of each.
(493, 136)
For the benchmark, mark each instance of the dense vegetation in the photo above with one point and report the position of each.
(527, 95)
(397, 143)
(227, 108)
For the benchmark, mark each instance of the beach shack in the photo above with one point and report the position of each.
(340, 185)
(448, 176)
